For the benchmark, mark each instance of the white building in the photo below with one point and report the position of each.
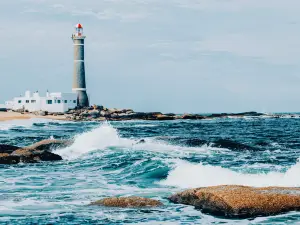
(53, 102)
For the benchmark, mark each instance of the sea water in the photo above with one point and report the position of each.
(109, 159)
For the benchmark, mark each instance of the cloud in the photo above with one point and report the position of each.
(284, 49)
(212, 52)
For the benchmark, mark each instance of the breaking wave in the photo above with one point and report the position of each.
(99, 138)
(106, 136)
(188, 175)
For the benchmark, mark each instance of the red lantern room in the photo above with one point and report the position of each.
(78, 30)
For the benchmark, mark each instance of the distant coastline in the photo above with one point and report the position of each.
(100, 113)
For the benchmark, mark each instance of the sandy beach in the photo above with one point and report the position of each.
(5, 116)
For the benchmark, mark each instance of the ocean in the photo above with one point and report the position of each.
(145, 158)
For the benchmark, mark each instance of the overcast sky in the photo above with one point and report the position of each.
(158, 55)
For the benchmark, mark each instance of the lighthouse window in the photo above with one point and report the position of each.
(49, 102)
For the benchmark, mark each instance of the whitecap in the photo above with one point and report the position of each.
(189, 175)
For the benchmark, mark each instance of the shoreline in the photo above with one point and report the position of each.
(9, 116)
(127, 115)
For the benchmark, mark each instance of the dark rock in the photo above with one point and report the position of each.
(34, 156)
(8, 159)
(170, 114)
(99, 107)
(234, 201)
(163, 117)
(128, 202)
(8, 148)
(105, 113)
(248, 114)
(37, 152)
(142, 141)
(254, 114)
(232, 145)
(218, 115)
(192, 117)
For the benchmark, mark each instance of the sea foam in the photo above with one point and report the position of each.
(99, 138)
(106, 136)
(188, 175)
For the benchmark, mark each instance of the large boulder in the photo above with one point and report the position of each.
(40, 151)
(34, 156)
(128, 202)
(241, 201)
(49, 145)
(192, 117)
(6, 158)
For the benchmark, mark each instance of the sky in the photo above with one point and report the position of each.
(183, 56)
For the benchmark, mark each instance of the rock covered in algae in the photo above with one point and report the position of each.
(128, 202)
(241, 201)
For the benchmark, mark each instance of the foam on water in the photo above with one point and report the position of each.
(96, 139)
(107, 136)
(26, 123)
(188, 175)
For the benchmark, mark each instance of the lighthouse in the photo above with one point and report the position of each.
(79, 85)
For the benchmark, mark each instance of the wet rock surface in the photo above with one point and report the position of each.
(49, 145)
(6, 158)
(128, 202)
(34, 156)
(40, 151)
(234, 201)
(8, 148)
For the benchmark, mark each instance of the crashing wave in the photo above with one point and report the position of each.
(188, 175)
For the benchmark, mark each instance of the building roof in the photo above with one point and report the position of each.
(78, 25)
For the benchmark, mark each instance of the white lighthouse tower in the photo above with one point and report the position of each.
(79, 84)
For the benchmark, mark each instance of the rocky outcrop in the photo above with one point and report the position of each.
(192, 117)
(8, 148)
(252, 114)
(241, 201)
(40, 151)
(163, 117)
(49, 145)
(6, 158)
(128, 202)
(34, 156)
(100, 113)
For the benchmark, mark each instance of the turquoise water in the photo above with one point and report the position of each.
(108, 160)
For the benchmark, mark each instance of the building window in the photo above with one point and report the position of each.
(33, 101)
(74, 101)
(58, 101)
(27, 101)
(49, 102)
(66, 101)
(55, 101)
(20, 101)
